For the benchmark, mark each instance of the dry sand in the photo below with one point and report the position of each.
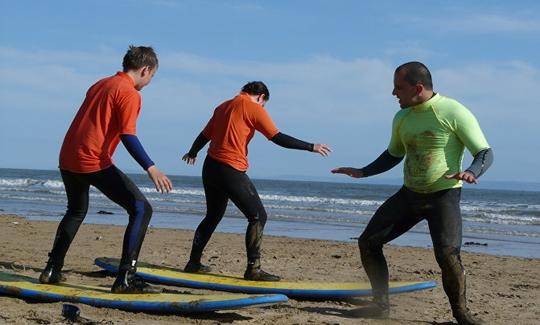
(501, 290)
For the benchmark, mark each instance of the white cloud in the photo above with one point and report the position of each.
(322, 84)
(502, 84)
(48, 79)
(312, 82)
(346, 103)
(328, 88)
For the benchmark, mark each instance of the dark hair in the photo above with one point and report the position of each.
(416, 73)
(138, 57)
(257, 88)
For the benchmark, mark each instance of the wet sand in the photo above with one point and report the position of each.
(501, 290)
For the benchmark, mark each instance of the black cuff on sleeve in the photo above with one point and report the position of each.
(289, 142)
(481, 162)
(383, 163)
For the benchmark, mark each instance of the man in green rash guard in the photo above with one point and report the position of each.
(431, 132)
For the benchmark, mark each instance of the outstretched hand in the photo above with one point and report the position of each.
(189, 160)
(322, 149)
(350, 171)
(163, 183)
(465, 176)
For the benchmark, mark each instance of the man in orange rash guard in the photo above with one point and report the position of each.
(107, 116)
(229, 132)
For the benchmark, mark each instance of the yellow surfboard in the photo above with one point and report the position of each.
(304, 290)
(29, 288)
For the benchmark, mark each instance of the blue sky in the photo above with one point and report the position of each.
(329, 66)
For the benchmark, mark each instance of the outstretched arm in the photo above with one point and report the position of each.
(136, 150)
(286, 141)
(481, 162)
(197, 145)
(380, 165)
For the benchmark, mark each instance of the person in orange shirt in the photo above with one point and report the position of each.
(107, 116)
(229, 132)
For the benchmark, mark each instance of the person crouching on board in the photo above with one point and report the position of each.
(229, 132)
(107, 116)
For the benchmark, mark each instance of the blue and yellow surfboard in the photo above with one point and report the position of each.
(301, 290)
(29, 288)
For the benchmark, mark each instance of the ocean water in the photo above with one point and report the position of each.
(500, 222)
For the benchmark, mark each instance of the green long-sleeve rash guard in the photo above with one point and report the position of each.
(432, 137)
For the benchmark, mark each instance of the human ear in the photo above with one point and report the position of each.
(145, 71)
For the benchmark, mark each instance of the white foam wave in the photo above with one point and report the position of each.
(28, 182)
(483, 205)
(319, 219)
(319, 209)
(491, 231)
(18, 181)
(282, 198)
(504, 219)
(32, 198)
(53, 184)
(486, 212)
(180, 191)
(314, 199)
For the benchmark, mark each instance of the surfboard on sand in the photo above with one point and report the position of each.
(300, 290)
(29, 288)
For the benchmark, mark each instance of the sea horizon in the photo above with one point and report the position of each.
(495, 221)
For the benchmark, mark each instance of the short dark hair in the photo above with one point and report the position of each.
(416, 72)
(256, 88)
(138, 57)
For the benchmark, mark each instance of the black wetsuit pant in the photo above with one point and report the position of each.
(119, 189)
(221, 183)
(400, 213)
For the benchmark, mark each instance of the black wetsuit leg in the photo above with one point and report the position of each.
(122, 190)
(221, 182)
(77, 192)
(445, 225)
(216, 204)
(400, 213)
(392, 219)
(244, 195)
(118, 188)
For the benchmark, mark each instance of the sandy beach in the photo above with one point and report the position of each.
(501, 290)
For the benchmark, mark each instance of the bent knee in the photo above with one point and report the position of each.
(448, 256)
(371, 240)
(142, 208)
(367, 245)
(258, 217)
(79, 213)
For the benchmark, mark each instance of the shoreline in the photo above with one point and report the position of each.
(490, 245)
(501, 289)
